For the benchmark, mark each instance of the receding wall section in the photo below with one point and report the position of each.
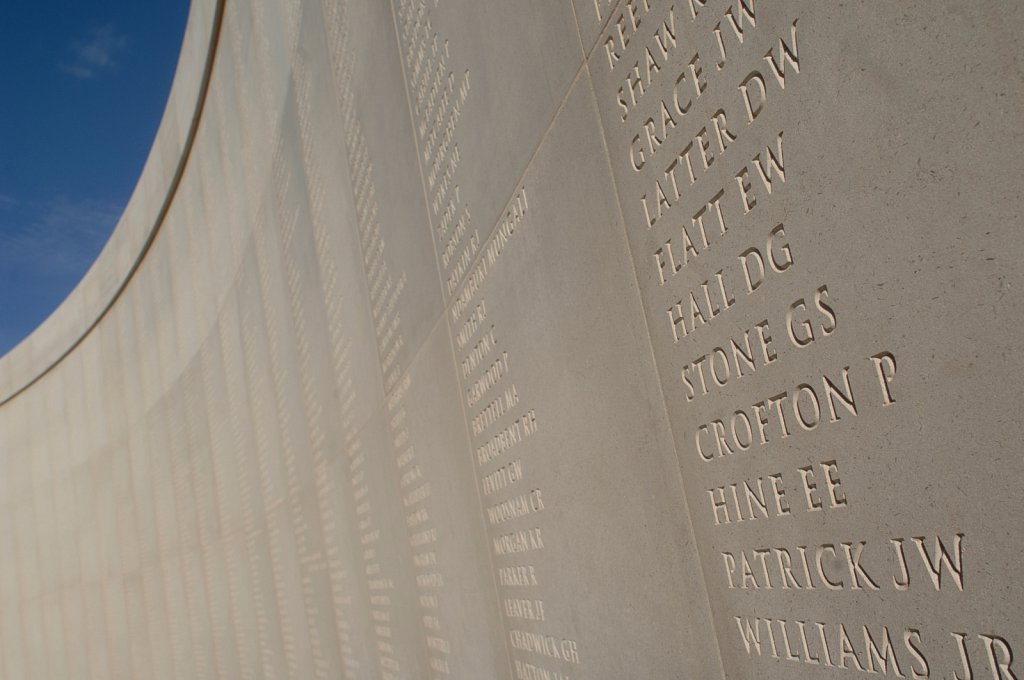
(558, 339)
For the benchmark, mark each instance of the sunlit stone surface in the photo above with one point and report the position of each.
(549, 339)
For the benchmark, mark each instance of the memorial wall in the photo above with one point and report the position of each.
(542, 340)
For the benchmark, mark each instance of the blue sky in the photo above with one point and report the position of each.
(83, 85)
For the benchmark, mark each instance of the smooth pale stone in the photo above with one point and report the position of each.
(349, 601)
(458, 613)
(594, 15)
(898, 168)
(157, 622)
(269, 618)
(117, 626)
(53, 622)
(484, 82)
(590, 472)
(384, 573)
(383, 147)
(31, 618)
(227, 475)
(138, 630)
(331, 266)
(14, 662)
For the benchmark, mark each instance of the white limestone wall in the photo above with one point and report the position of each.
(375, 378)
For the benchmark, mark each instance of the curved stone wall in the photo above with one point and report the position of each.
(550, 339)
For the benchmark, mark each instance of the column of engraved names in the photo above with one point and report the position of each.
(281, 460)
(260, 548)
(339, 34)
(726, 77)
(209, 522)
(416, 490)
(438, 97)
(338, 346)
(353, 459)
(307, 442)
(501, 427)
(380, 585)
(351, 445)
(193, 581)
(244, 550)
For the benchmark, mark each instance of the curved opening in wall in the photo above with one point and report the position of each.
(127, 121)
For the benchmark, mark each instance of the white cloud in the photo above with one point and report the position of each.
(60, 237)
(96, 53)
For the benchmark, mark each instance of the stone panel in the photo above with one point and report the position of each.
(554, 340)
(817, 228)
(484, 82)
(561, 469)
